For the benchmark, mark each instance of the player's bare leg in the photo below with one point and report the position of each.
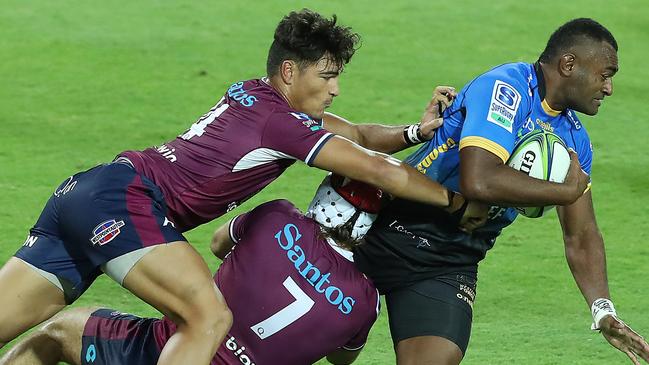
(428, 350)
(27, 299)
(174, 279)
(58, 339)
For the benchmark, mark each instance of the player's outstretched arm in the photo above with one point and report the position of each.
(344, 157)
(485, 177)
(586, 257)
(221, 241)
(390, 139)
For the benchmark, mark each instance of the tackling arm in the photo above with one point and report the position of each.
(390, 139)
(346, 158)
(343, 157)
(377, 137)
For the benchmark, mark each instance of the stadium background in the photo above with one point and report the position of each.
(82, 81)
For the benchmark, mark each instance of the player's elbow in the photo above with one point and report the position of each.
(475, 189)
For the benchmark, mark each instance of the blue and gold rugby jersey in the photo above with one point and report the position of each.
(410, 241)
(494, 111)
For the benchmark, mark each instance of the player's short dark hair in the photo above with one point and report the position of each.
(575, 32)
(305, 37)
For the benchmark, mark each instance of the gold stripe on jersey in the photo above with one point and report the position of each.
(486, 144)
(548, 110)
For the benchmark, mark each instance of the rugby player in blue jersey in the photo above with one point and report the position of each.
(427, 268)
(290, 282)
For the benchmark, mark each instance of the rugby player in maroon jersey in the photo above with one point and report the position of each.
(126, 218)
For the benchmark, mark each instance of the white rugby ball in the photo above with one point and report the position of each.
(542, 155)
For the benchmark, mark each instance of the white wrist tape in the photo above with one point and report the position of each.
(601, 308)
(411, 133)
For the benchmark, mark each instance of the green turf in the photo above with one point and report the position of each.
(82, 81)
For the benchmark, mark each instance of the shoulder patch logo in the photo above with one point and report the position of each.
(308, 122)
(504, 104)
(106, 232)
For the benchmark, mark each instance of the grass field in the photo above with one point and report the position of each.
(82, 81)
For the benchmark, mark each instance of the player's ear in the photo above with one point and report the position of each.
(287, 71)
(566, 64)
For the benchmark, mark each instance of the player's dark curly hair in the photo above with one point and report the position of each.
(305, 37)
(575, 32)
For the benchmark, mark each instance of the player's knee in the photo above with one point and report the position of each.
(210, 316)
(216, 320)
(55, 329)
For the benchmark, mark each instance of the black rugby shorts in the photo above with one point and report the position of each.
(439, 306)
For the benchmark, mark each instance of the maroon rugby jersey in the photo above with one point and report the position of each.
(241, 145)
(294, 297)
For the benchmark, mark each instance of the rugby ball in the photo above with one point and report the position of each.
(541, 155)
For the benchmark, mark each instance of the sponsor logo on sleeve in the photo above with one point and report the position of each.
(106, 232)
(308, 122)
(503, 106)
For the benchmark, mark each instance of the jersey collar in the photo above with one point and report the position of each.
(541, 84)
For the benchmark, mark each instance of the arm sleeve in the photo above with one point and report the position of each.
(494, 108)
(295, 135)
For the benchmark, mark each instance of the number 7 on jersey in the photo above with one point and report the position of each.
(289, 314)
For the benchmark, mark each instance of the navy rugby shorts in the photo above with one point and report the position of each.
(440, 306)
(104, 219)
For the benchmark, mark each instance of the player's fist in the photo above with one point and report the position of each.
(443, 96)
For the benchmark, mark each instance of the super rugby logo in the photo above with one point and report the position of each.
(106, 232)
(504, 104)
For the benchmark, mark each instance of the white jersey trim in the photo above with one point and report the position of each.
(231, 229)
(353, 348)
(378, 302)
(258, 157)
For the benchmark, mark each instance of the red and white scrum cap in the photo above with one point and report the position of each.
(338, 199)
